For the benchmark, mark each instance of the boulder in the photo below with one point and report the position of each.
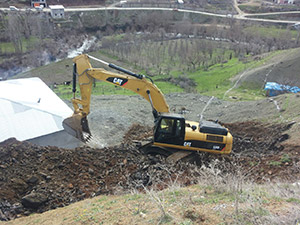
(34, 200)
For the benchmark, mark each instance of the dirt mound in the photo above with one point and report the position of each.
(261, 153)
(137, 132)
(37, 179)
(258, 138)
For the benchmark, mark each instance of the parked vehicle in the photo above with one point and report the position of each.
(13, 8)
(39, 8)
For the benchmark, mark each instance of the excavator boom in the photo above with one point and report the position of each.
(77, 124)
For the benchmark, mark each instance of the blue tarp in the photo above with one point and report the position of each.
(274, 89)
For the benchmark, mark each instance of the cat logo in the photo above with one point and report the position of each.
(117, 81)
(187, 144)
(216, 147)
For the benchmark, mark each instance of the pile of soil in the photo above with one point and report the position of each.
(261, 152)
(255, 138)
(37, 179)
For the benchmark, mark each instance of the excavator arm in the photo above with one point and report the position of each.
(77, 124)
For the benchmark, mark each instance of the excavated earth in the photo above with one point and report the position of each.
(36, 179)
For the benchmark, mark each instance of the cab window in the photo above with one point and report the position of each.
(166, 125)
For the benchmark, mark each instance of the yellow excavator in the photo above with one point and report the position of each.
(172, 133)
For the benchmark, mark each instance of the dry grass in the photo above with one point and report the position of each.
(216, 199)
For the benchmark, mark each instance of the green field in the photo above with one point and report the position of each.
(181, 65)
(27, 44)
(212, 81)
(273, 32)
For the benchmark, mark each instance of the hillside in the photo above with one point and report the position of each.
(140, 189)
(283, 68)
(130, 185)
(198, 62)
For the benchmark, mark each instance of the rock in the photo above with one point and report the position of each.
(44, 175)
(143, 215)
(18, 208)
(19, 185)
(91, 171)
(2, 216)
(32, 180)
(27, 213)
(61, 165)
(33, 200)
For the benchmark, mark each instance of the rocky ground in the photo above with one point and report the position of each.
(37, 179)
(111, 116)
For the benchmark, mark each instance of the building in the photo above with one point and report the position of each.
(31, 111)
(38, 3)
(57, 11)
(285, 1)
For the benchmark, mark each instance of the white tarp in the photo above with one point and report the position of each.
(29, 109)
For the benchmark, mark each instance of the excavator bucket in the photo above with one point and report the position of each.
(78, 127)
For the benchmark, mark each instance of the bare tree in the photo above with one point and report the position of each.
(14, 28)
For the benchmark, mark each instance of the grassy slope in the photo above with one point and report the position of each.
(289, 112)
(205, 204)
(212, 82)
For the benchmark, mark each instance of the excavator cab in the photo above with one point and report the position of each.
(170, 129)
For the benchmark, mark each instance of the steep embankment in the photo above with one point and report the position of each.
(283, 68)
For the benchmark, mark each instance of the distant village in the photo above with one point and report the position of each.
(57, 11)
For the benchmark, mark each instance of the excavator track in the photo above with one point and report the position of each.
(171, 155)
